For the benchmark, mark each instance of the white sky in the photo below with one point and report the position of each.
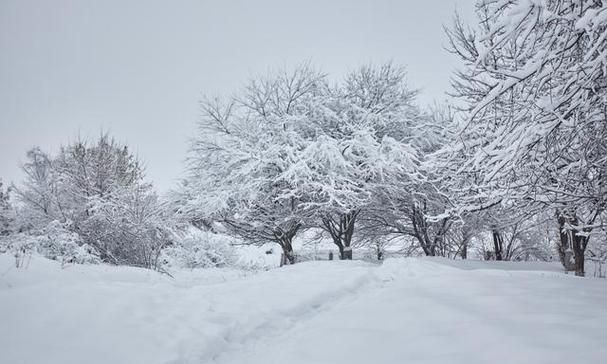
(137, 69)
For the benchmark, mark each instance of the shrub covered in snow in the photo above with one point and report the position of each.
(195, 248)
(256, 258)
(199, 249)
(6, 211)
(110, 206)
(53, 242)
(65, 246)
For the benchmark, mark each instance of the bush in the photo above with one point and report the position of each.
(256, 258)
(199, 249)
(53, 242)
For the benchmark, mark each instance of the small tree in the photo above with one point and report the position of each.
(6, 211)
(95, 190)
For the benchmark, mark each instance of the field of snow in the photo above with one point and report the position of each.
(404, 311)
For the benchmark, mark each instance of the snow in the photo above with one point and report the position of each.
(406, 310)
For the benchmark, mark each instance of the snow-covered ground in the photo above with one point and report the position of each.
(404, 311)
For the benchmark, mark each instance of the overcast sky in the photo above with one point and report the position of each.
(138, 68)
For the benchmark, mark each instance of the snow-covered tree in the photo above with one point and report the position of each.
(38, 190)
(290, 151)
(6, 211)
(238, 158)
(362, 140)
(514, 233)
(534, 83)
(414, 204)
(130, 226)
(95, 190)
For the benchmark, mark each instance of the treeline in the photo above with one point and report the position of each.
(513, 169)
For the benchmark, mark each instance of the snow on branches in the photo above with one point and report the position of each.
(535, 86)
(291, 150)
(96, 193)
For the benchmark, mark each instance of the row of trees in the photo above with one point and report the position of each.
(293, 151)
(516, 166)
(534, 86)
(357, 160)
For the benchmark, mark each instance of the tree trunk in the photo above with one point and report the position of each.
(498, 244)
(341, 232)
(284, 237)
(464, 245)
(341, 250)
(347, 222)
(565, 249)
(466, 236)
(422, 231)
(571, 244)
(287, 257)
(579, 248)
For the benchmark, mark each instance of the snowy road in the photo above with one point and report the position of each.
(406, 311)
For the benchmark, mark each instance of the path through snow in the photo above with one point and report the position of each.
(432, 313)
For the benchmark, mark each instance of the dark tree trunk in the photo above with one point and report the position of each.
(579, 249)
(572, 244)
(422, 231)
(464, 252)
(347, 223)
(466, 235)
(498, 244)
(284, 237)
(287, 258)
(379, 252)
(340, 248)
(341, 232)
